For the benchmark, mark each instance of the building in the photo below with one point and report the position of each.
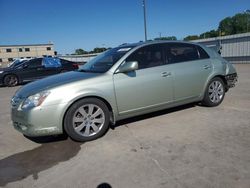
(10, 52)
(234, 48)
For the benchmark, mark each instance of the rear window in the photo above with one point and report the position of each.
(51, 62)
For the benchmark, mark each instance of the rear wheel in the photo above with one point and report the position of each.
(215, 92)
(10, 80)
(87, 119)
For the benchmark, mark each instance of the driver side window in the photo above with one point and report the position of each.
(34, 63)
(149, 56)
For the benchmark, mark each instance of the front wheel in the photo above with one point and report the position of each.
(10, 80)
(215, 92)
(87, 119)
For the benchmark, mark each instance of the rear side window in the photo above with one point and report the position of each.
(178, 52)
(34, 63)
(202, 53)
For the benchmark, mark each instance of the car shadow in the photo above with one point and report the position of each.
(153, 114)
(47, 139)
(55, 149)
(52, 151)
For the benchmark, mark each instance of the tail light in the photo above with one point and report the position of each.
(75, 66)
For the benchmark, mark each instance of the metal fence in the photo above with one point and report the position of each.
(235, 48)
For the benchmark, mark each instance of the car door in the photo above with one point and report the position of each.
(149, 86)
(191, 67)
(31, 70)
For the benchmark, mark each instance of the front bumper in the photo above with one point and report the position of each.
(1, 79)
(231, 79)
(39, 121)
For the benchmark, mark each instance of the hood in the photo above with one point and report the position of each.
(5, 69)
(53, 81)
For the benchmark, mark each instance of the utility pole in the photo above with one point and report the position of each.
(145, 19)
(160, 34)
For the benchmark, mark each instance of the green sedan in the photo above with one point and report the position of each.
(123, 82)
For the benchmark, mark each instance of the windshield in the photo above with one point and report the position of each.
(103, 62)
(16, 63)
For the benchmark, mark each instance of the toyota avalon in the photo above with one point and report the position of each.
(125, 81)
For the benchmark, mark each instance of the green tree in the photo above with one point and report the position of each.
(236, 24)
(226, 25)
(191, 37)
(166, 38)
(240, 23)
(209, 34)
(98, 50)
(80, 51)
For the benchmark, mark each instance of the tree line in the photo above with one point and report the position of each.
(80, 51)
(239, 23)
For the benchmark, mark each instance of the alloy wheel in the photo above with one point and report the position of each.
(11, 80)
(216, 91)
(88, 120)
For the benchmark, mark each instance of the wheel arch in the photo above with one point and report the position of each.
(112, 115)
(224, 81)
(222, 77)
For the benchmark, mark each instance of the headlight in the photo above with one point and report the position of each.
(35, 100)
(1, 72)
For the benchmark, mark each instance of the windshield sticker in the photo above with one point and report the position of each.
(123, 49)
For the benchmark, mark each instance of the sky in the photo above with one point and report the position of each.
(86, 24)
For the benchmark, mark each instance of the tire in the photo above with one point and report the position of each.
(87, 119)
(215, 92)
(10, 80)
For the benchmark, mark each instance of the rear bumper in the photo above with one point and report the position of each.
(231, 79)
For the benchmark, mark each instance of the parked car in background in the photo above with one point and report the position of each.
(21, 71)
(17, 62)
(123, 82)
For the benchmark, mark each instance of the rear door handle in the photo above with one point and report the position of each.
(207, 66)
(166, 74)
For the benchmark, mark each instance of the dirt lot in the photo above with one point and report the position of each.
(190, 146)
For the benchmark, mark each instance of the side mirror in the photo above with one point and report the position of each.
(127, 67)
(219, 50)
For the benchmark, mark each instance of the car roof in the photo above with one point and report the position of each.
(156, 42)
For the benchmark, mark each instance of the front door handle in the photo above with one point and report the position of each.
(207, 66)
(166, 74)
